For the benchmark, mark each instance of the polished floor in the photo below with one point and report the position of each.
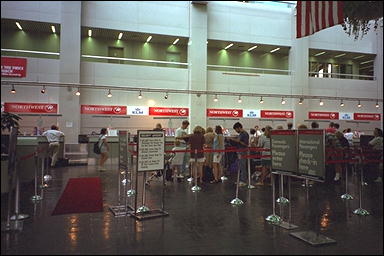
(201, 222)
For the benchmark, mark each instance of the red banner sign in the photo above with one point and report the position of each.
(42, 108)
(106, 110)
(213, 112)
(276, 114)
(367, 116)
(13, 67)
(324, 115)
(155, 111)
(311, 132)
(283, 132)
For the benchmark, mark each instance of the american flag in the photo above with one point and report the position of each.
(313, 16)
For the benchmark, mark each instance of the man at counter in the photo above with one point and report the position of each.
(181, 132)
(53, 136)
(242, 143)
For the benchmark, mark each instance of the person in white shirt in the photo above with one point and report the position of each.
(258, 132)
(53, 136)
(177, 160)
(349, 136)
(179, 133)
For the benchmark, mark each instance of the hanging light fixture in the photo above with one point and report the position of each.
(341, 103)
(239, 100)
(301, 101)
(166, 96)
(78, 92)
(13, 91)
(321, 103)
(109, 93)
(140, 96)
(43, 90)
(377, 104)
(216, 99)
(359, 104)
(282, 100)
(261, 100)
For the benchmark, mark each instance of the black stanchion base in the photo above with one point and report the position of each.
(119, 211)
(313, 238)
(149, 214)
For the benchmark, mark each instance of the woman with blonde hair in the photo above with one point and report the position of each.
(218, 144)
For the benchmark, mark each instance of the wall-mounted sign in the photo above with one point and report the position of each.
(345, 116)
(13, 67)
(138, 110)
(213, 112)
(155, 111)
(367, 116)
(42, 108)
(276, 114)
(251, 113)
(101, 109)
(323, 115)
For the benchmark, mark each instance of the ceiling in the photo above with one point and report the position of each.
(27, 25)
(348, 55)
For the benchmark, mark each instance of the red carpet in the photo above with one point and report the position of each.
(80, 195)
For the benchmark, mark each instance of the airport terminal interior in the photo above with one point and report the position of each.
(191, 127)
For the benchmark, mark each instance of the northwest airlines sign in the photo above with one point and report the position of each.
(42, 108)
(213, 112)
(101, 109)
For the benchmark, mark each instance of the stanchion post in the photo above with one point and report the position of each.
(237, 201)
(195, 188)
(36, 197)
(250, 186)
(282, 199)
(273, 219)
(18, 215)
(360, 210)
(346, 196)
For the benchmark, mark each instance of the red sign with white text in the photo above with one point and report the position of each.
(324, 115)
(106, 110)
(155, 111)
(42, 108)
(276, 114)
(367, 116)
(13, 67)
(213, 112)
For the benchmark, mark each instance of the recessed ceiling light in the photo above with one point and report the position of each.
(274, 50)
(18, 25)
(175, 42)
(120, 35)
(53, 29)
(253, 47)
(337, 56)
(320, 53)
(228, 46)
(89, 32)
(149, 39)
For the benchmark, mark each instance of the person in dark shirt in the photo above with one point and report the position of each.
(290, 126)
(197, 141)
(315, 125)
(241, 143)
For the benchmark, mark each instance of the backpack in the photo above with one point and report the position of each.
(96, 148)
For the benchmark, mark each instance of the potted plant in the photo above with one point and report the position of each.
(9, 120)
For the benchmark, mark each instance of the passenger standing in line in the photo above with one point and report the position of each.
(349, 136)
(265, 142)
(377, 145)
(218, 144)
(258, 132)
(180, 133)
(209, 136)
(53, 136)
(177, 160)
(242, 143)
(337, 127)
(315, 125)
(331, 129)
(196, 140)
(290, 126)
(104, 149)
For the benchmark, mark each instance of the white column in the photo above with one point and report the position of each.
(299, 64)
(70, 43)
(197, 60)
(378, 69)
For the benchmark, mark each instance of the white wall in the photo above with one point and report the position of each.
(157, 17)
(253, 23)
(43, 11)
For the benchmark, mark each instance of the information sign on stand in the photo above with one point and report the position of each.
(311, 153)
(283, 150)
(150, 157)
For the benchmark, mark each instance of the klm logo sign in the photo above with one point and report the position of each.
(137, 111)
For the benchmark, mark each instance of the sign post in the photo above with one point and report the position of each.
(150, 157)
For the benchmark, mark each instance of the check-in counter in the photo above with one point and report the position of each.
(28, 145)
(113, 143)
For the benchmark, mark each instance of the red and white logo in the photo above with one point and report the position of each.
(117, 110)
(213, 112)
(367, 116)
(323, 115)
(49, 108)
(276, 114)
(182, 112)
(157, 111)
